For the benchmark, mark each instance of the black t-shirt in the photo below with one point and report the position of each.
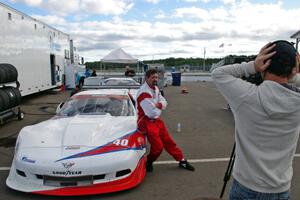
(130, 72)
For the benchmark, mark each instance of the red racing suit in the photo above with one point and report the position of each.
(149, 122)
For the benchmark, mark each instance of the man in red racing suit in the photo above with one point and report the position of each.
(150, 104)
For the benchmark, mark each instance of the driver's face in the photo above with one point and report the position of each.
(152, 80)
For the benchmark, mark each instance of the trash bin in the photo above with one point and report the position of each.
(176, 78)
(173, 69)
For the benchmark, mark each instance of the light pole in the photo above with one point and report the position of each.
(204, 52)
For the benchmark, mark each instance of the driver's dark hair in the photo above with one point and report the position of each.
(149, 72)
(283, 61)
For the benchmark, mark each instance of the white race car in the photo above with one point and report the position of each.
(91, 146)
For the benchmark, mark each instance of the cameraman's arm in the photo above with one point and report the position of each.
(228, 80)
(229, 83)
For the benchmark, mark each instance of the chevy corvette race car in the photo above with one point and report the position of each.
(91, 146)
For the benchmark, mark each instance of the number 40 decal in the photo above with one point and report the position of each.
(122, 142)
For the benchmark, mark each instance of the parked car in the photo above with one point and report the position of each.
(98, 81)
(113, 83)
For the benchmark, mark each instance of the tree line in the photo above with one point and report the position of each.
(194, 63)
(168, 63)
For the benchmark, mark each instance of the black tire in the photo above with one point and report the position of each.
(8, 73)
(5, 99)
(2, 106)
(14, 96)
(17, 92)
(13, 73)
(2, 74)
(5, 74)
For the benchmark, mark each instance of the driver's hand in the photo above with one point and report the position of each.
(158, 105)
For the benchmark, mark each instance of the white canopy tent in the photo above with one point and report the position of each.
(119, 56)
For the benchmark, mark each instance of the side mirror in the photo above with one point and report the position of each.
(59, 107)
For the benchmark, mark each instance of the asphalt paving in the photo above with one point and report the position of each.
(206, 138)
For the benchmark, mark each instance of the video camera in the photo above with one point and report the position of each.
(254, 78)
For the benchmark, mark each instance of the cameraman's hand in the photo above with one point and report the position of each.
(263, 61)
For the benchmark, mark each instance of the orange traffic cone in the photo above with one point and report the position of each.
(62, 88)
(184, 91)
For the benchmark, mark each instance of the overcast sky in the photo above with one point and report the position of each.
(150, 29)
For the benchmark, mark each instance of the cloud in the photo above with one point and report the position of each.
(153, 1)
(62, 7)
(91, 7)
(192, 1)
(161, 15)
(228, 1)
(267, 21)
(202, 14)
(192, 12)
(136, 36)
(185, 32)
(179, 51)
(161, 38)
(98, 46)
(51, 20)
(107, 7)
(33, 3)
(201, 36)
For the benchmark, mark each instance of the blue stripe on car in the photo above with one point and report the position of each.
(78, 155)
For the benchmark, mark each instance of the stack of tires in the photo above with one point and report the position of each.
(10, 97)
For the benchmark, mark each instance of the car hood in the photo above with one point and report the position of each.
(80, 130)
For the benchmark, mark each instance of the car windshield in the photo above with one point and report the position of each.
(115, 105)
(120, 82)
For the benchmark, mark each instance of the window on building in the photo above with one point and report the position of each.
(9, 16)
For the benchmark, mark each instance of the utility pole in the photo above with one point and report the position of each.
(204, 52)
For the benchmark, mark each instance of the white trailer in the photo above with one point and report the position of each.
(39, 52)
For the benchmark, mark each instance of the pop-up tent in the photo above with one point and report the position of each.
(119, 56)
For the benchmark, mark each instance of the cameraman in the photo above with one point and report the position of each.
(267, 121)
